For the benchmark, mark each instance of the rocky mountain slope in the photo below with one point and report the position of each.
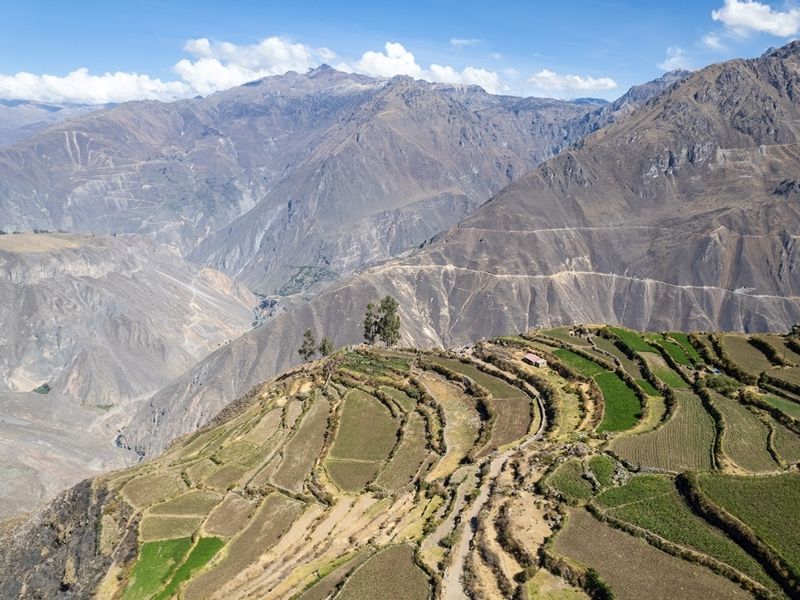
(481, 473)
(275, 182)
(681, 215)
(20, 119)
(95, 324)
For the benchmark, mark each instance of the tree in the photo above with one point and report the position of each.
(389, 321)
(325, 347)
(371, 323)
(309, 346)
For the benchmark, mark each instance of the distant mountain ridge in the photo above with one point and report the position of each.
(276, 182)
(681, 215)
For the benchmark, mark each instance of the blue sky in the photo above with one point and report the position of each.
(100, 51)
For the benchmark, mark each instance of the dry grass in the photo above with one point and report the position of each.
(229, 516)
(195, 502)
(366, 431)
(168, 527)
(29, 243)
(152, 488)
(745, 438)
(747, 357)
(351, 475)
(271, 521)
(391, 573)
(633, 568)
(408, 458)
(512, 422)
(301, 452)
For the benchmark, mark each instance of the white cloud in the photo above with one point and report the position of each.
(463, 42)
(495, 55)
(488, 80)
(569, 85)
(221, 65)
(80, 86)
(746, 16)
(396, 61)
(676, 59)
(713, 41)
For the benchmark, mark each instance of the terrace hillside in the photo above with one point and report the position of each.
(620, 460)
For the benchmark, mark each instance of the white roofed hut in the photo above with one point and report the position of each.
(535, 360)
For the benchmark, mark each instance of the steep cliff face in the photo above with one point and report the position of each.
(94, 324)
(683, 214)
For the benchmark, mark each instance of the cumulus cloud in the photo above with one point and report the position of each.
(676, 58)
(221, 65)
(395, 61)
(82, 87)
(463, 42)
(569, 85)
(747, 16)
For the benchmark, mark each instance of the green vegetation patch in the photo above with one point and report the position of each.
(568, 479)
(647, 387)
(154, 566)
(684, 442)
(787, 407)
(669, 377)
(584, 366)
(391, 573)
(203, 551)
(632, 339)
(406, 402)
(366, 431)
(622, 408)
(603, 468)
(768, 505)
(675, 351)
(374, 364)
(688, 348)
(653, 503)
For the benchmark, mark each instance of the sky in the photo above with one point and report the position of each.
(98, 51)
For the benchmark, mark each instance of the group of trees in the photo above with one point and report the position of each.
(381, 322)
(310, 347)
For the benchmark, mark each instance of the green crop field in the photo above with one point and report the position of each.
(690, 351)
(674, 349)
(634, 340)
(622, 408)
(582, 365)
(684, 442)
(630, 367)
(749, 358)
(154, 567)
(768, 505)
(391, 573)
(603, 468)
(203, 551)
(404, 400)
(652, 502)
(787, 407)
(662, 370)
(745, 437)
(568, 479)
(647, 387)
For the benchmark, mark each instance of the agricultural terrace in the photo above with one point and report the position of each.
(768, 505)
(746, 356)
(395, 471)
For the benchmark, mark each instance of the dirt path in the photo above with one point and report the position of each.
(451, 582)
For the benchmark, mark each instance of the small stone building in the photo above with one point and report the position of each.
(535, 360)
